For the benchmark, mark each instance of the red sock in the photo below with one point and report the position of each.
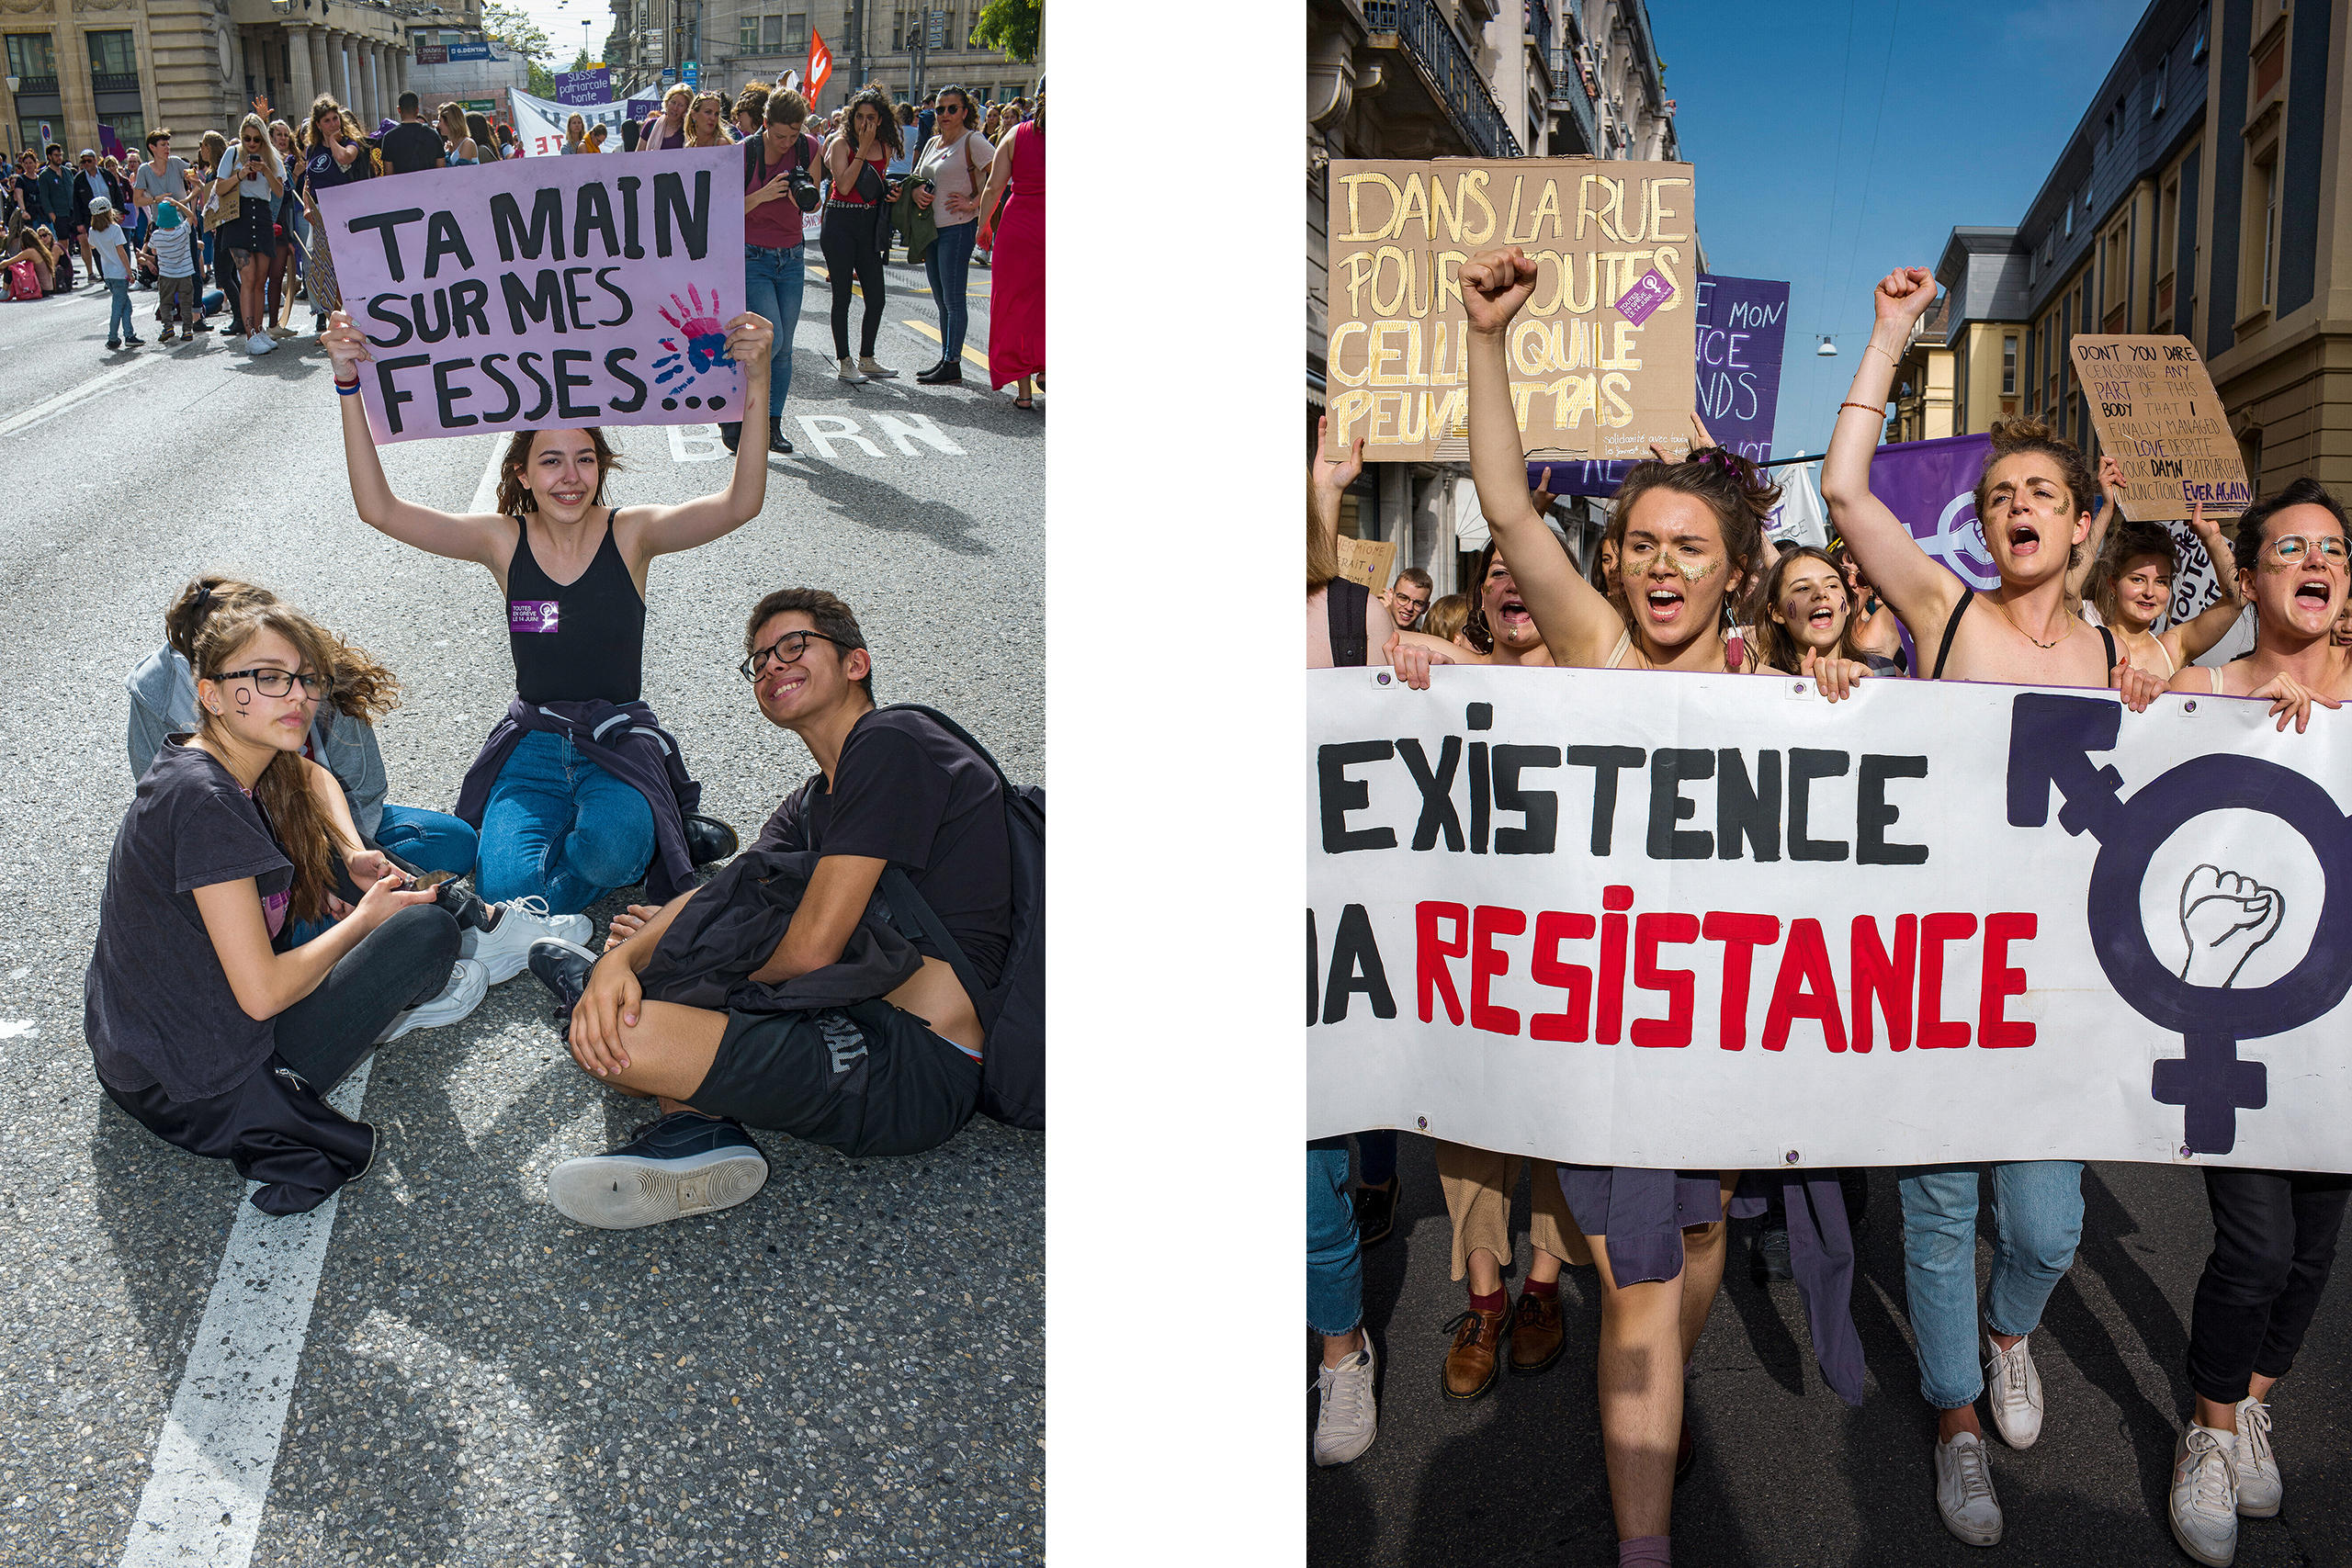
(1546, 1288)
(1495, 1302)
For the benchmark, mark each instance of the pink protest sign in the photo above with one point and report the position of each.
(1649, 291)
(537, 294)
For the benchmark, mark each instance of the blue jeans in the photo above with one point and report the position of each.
(119, 311)
(949, 261)
(1334, 1265)
(2038, 1207)
(430, 841)
(559, 827)
(773, 280)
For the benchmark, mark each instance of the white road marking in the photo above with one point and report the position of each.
(486, 493)
(824, 429)
(898, 427)
(703, 446)
(20, 1027)
(203, 1503)
(50, 408)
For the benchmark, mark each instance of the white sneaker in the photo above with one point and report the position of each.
(2205, 1495)
(259, 344)
(1965, 1490)
(849, 372)
(1345, 1424)
(505, 950)
(2259, 1488)
(2015, 1390)
(468, 983)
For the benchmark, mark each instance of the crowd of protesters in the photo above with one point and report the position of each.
(1682, 580)
(229, 239)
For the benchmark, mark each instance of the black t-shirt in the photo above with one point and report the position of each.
(908, 792)
(323, 173)
(157, 1005)
(412, 147)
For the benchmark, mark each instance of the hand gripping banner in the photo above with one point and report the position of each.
(1706, 922)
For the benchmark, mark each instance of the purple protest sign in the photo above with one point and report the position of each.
(1931, 485)
(537, 294)
(584, 89)
(1649, 291)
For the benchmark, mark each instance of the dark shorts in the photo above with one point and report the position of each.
(1641, 1213)
(274, 1128)
(866, 1080)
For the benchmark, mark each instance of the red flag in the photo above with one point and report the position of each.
(820, 63)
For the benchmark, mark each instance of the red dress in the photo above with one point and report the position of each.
(1017, 268)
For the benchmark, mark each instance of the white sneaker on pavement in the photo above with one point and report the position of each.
(1345, 1424)
(468, 983)
(851, 373)
(2204, 1506)
(2259, 1488)
(259, 344)
(506, 949)
(2015, 1390)
(1965, 1490)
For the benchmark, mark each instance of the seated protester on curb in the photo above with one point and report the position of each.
(1690, 532)
(1804, 610)
(892, 1067)
(208, 1022)
(569, 805)
(2034, 500)
(2131, 590)
(2274, 1231)
(1409, 598)
(343, 740)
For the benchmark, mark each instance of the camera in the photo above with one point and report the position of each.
(803, 190)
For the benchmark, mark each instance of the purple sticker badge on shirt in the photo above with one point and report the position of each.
(532, 614)
(1649, 291)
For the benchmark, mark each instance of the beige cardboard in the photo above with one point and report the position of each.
(1367, 561)
(2153, 404)
(1588, 382)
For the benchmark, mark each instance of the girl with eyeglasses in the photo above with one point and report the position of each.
(209, 1022)
(956, 162)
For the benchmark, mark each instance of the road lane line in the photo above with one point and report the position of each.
(64, 400)
(486, 493)
(974, 354)
(203, 1501)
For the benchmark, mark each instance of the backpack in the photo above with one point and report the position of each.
(1013, 1015)
(23, 281)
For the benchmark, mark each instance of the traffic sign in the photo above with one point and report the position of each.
(694, 73)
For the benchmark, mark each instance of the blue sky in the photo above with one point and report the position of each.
(1803, 177)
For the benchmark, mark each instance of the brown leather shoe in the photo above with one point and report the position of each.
(1475, 1359)
(1537, 1336)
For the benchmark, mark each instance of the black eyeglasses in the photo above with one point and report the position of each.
(786, 649)
(277, 682)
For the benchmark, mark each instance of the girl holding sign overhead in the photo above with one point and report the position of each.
(579, 790)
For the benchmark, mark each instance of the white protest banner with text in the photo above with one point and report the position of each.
(1718, 923)
(545, 293)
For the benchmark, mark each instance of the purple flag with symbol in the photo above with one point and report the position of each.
(1931, 486)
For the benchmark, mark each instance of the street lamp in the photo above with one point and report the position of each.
(1828, 349)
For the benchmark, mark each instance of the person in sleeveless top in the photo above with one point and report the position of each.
(2033, 502)
(855, 234)
(2274, 1231)
(561, 822)
(2130, 586)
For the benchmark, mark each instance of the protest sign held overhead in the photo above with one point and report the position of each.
(545, 293)
(2153, 404)
(1602, 357)
(1730, 925)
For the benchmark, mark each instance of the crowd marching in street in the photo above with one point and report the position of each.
(1684, 581)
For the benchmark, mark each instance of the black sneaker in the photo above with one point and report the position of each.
(731, 432)
(946, 373)
(777, 440)
(1768, 1255)
(685, 1163)
(1376, 1211)
(562, 967)
(709, 840)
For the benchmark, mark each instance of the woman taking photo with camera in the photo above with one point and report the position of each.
(778, 188)
(856, 160)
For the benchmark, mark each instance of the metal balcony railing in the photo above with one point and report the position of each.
(1452, 75)
(37, 83)
(1539, 28)
(114, 81)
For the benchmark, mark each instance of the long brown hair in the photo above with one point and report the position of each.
(283, 791)
(887, 133)
(1777, 643)
(2127, 538)
(514, 497)
(1322, 551)
(357, 686)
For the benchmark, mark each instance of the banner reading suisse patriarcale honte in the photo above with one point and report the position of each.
(1718, 923)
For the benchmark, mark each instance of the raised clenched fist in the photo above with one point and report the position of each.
(2225, 917)
(1905, 294)
(1495, 284)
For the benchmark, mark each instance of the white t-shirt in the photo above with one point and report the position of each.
(943, 164)
(112, 246)
(233, 162)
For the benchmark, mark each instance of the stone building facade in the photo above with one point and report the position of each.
(735, 42)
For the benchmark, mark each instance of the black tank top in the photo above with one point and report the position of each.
(580, 640)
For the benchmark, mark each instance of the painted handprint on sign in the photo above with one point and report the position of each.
(2225, 917)
(705, 335)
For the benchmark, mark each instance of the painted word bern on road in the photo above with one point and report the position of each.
(1716, 922)
(540, 293)
(1602, 355)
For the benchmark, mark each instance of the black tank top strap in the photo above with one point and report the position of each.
(1344, 605)
(1943, 652)
(2108, 637)
(575, 641)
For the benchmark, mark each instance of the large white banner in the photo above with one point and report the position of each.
(540, 123)
(1718, 923)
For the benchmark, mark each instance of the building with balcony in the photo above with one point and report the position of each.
(909, 50)
(2206, 191)
(193, 65)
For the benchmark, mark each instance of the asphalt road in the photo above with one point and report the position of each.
(1787, 1476)
(848, 1369)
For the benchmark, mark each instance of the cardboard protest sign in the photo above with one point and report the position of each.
(1600, 356)
(2153, 404)
(1717, 922)
(537, 294)
(1367, 561)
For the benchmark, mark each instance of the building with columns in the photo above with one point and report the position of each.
(736, 41)
(194, 65)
